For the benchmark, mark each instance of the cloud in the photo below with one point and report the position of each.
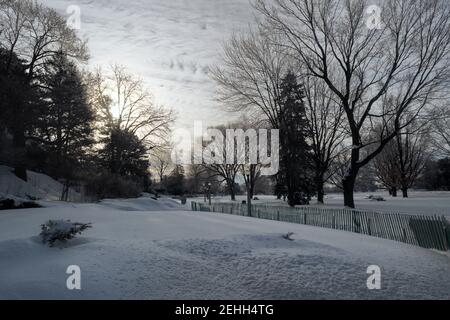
(168, 43)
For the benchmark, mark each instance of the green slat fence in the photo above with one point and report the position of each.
(426, 231)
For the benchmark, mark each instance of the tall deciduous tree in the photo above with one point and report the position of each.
(121, 100)
(325, 122)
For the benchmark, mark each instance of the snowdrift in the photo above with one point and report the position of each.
(39, 186)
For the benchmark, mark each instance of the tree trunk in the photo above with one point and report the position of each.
(405, 192)
(232, 193)
(394, 192)
(349, 186)
(291, 196)
(349, 179)
(319, 189)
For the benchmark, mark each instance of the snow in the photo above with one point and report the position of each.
(419, 202)
(39, 186)
(156, 249)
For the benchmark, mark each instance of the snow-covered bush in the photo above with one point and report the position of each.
(288, 236)
(61, 230)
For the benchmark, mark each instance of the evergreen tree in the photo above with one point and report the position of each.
(295, 158)
(65, 125)
(124, 154)
(19, 103)
(175, 181)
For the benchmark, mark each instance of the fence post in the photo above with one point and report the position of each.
(368, 227)
(278, 215)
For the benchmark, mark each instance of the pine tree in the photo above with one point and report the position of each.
(175, 181)
(66, 122)
(124, 154)
(18, 106)
(295, 157)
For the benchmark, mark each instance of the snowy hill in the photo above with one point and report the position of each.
(134, 252)
(38, 186)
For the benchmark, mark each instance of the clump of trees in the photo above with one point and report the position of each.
(365, 86)
(80, 127)
(403, 160)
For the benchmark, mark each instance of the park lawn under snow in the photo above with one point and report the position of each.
(148, 249)
(419, 202)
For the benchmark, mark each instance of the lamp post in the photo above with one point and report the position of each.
(247, 173)
(209, 192)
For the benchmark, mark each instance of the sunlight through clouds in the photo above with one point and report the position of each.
(170, 44)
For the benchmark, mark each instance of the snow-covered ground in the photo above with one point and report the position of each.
(39, 186)
(156, 249)
(419, 202)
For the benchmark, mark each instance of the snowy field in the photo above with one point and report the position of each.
(419, 202)
(148, 249)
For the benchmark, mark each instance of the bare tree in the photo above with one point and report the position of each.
(217, 166)
(325, 123)
(378, 74)
(251, 177)
(122, 100)
(196, 173)
(441, 131)
(160, 163)
(386, 168)
(250, 75)
(404, 158)
(37, 33)
(413, 153)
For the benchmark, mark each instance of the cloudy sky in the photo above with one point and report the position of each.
(169, 43)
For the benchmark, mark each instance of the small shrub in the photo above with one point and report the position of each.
(288, 236)
(61, 230)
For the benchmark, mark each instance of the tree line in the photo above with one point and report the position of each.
(91, 128)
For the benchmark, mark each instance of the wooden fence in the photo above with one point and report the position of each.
(425, 231)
